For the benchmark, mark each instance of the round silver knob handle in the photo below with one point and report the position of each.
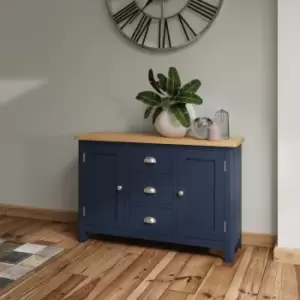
(180, 193)
(119, 188)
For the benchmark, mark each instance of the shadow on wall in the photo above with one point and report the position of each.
(52, 87)
(12, 89)
(38, 153)
(38, 164)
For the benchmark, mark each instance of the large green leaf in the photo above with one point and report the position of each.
(191, 87)
(156, 113)
(149, 98)
(185, 97)
(148, 112)
(181, 114)
(173, 82)
(162, 81)
(153, 81)
(165, 102)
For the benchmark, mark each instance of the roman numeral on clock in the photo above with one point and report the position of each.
(141, 31)
(187, 29)
(164, 37)
(128, 13)
(203, 8)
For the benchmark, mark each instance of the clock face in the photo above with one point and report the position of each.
(163, 24)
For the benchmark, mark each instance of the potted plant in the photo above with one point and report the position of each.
(171, 103)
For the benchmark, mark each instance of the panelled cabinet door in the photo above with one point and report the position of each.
(200, 194)
(102, 189)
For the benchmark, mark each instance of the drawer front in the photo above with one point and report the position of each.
(151, 221)
(150, 189)
(149, 158)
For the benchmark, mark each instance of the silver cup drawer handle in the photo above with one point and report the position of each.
(149, 190)
(150, 160)
(149, 220)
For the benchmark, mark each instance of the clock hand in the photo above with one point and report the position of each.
(147, 3)
(160, 23)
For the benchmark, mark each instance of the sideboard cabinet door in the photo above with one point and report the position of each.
(102, 189)
(200, 194)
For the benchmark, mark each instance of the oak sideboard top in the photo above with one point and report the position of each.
(152, 138)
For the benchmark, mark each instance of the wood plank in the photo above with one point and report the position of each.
(67, 243)
(173, 295)
(271, 284)
(9, 225)
(2, 217)
(84, 291)
(37, 235)
(152, 138)
(4, 221)
(39, 231)
(123, 286)
(51, 239)
(38, 213)
(198, 292)
(60, 227)
(28, 228)
(11, 232)
(100, 283)
(297, 269)
(90, 288)
(173, 268)
(251, 281)
(287, 255)
(135, 249)
(152, 276)
(43, 290)
(154, 291)
(218, 280)
(103, 265)
(64, 288)
(191, 276)
(233, 291)
(164, 279)
(289, 283)
(81, 267)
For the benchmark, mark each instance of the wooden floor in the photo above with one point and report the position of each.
(102, 270)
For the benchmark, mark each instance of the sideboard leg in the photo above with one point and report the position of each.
(83, 236)
(239, 244)
(229, 254)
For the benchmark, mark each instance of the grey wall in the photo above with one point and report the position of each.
(64, 70)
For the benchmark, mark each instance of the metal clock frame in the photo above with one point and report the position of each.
(201, 34)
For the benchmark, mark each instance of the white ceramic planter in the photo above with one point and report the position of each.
(167, 125)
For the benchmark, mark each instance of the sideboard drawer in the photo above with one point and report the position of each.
(151, 189)
(151, 221)
(151, 159)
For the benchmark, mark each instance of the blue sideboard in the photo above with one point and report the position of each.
(183, 191)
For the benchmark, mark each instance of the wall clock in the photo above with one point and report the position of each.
(163, 24)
